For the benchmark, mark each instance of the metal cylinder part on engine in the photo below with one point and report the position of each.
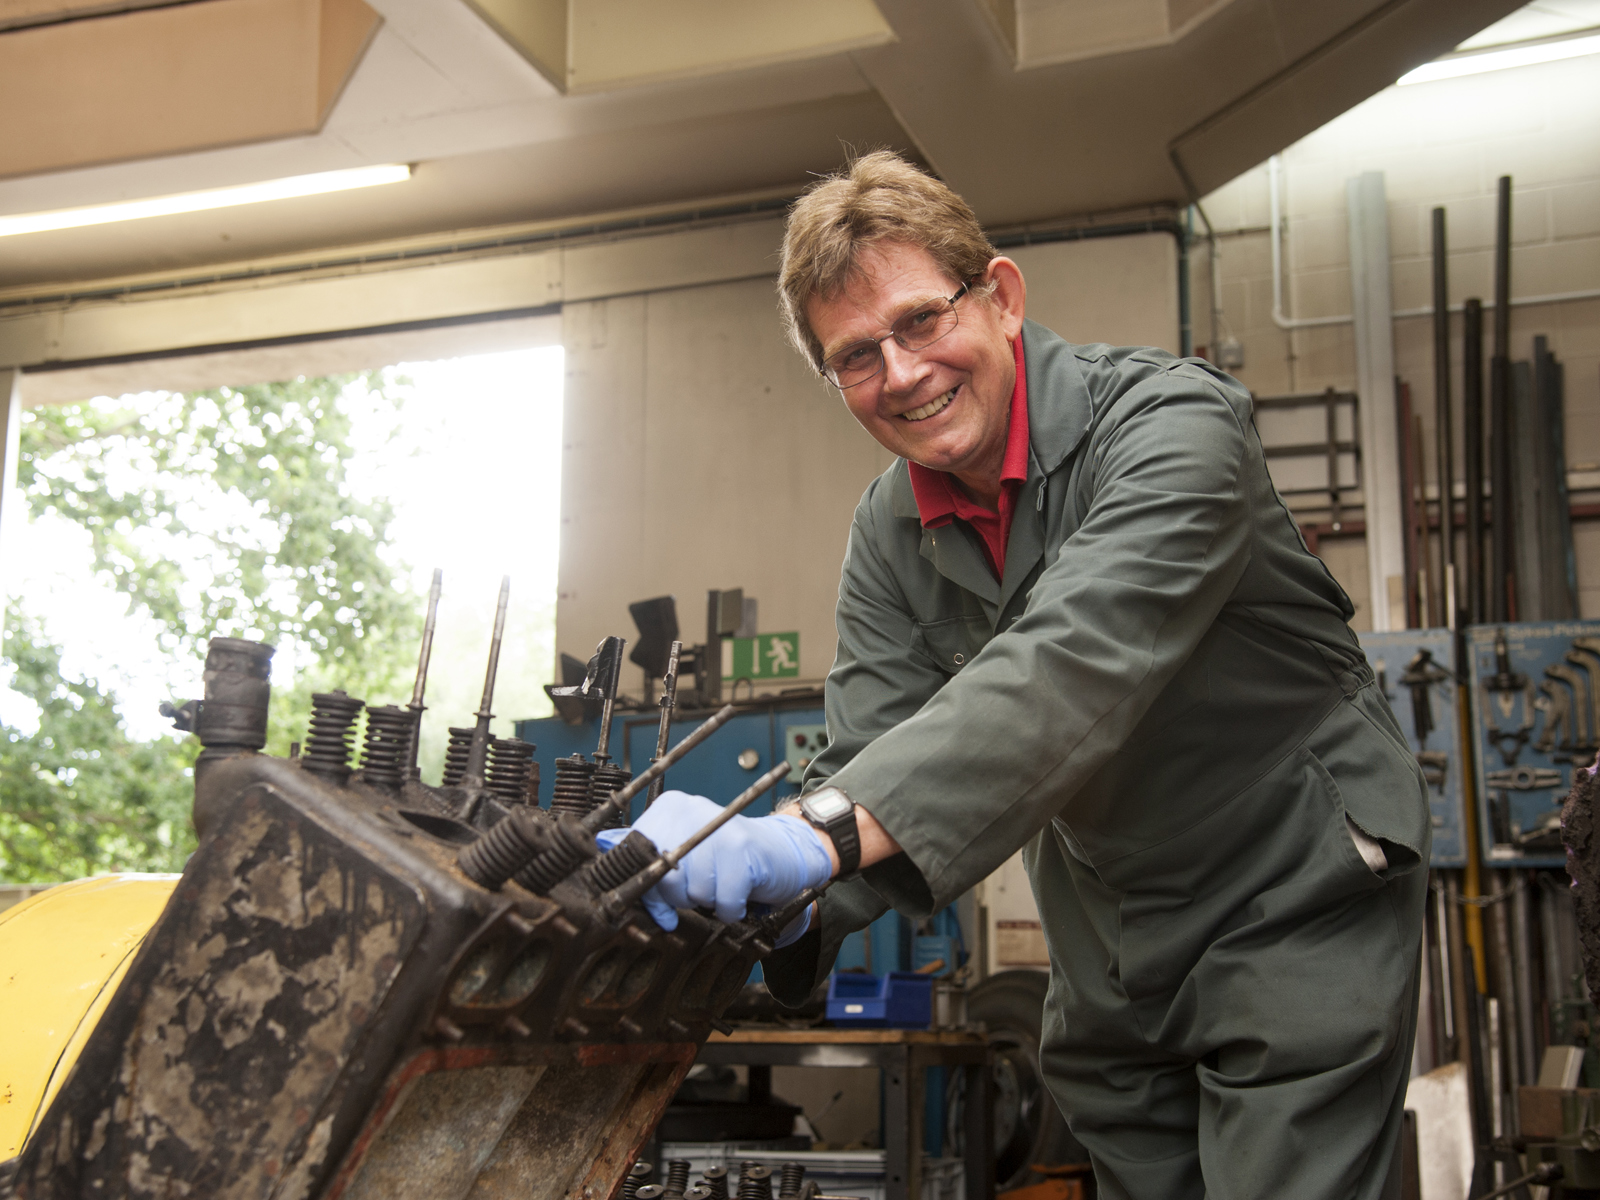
(385, 752)
(570, 794)
(716, 1180)
(794, 1175)
(622, 862)
(333, 719)
(506, 848)
(570, 846)
(755, 1181)
(608, 778)
(510, 762)
(237, 690)
(677, 1178)
(456, 754)
(637, 1174)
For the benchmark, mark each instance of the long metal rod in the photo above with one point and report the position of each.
(478, 757)
(625, 893)
(1501, 601)
(608, 705)
(419, 688)
(669, 705)
(601, 814)
(1472, 453)
(1444, 431)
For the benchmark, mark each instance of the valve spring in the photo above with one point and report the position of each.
(456, 754)
(621, 863)
(716, 1178)
(509, 845)
(677, 1177)
(569, 846)
(637, 1174)
(509, 762)
(327, 752)
(608, 778)
(388, 741)
(755, 1181)
(571, 791)
(794, 1174)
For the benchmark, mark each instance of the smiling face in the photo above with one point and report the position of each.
(948, 405)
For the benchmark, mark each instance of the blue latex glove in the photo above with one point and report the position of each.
(765, 860)
(667, 917)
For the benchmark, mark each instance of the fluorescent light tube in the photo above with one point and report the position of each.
(187, 202)
(1456, 65)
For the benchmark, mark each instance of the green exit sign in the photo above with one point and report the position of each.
(765, 656)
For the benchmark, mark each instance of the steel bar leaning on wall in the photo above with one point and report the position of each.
(1443, 426)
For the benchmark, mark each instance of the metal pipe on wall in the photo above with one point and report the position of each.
(1444, 431)
(1472, 453)
(1502, 602)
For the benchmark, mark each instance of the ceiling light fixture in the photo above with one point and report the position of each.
(1498, 58)
(187, 202)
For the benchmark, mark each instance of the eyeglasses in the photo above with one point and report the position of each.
(916, 330)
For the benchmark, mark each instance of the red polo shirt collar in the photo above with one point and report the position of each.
(940, 498)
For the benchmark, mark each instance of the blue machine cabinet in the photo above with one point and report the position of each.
(1416, 669)
(1535, 715)
(760, 736)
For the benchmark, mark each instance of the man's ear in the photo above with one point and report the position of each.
(1010, 297)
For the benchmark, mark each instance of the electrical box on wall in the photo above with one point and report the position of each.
(1535, 716)
(1416, 670)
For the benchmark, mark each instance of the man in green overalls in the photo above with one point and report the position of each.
(1076, 618)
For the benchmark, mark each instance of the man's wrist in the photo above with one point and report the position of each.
(833, 815)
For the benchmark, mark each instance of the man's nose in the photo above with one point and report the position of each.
(902, 369)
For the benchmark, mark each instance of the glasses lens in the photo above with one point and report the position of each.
(854, 364)
(925, 325)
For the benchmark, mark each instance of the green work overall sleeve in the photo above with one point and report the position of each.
(1162, 699)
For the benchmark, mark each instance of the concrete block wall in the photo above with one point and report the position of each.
(1443, 143)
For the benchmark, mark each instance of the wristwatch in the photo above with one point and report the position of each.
(831, 811)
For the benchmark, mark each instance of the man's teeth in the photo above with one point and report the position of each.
(931, 407)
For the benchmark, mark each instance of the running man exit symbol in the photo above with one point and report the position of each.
(765, 656)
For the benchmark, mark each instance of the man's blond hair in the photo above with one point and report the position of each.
(876, 198)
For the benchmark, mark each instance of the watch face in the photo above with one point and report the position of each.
(827, 804)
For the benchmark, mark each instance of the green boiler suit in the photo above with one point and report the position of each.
(1163, 702)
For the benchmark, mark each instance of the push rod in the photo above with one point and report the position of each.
(421, 686)
(600, 815)
(477, 757)
(669, 704)
(624, 894)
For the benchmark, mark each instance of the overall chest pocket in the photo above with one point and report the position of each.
(952, 643)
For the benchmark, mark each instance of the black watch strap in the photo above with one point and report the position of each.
(831, 811)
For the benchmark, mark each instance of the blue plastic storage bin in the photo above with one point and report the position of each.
(898, 1000)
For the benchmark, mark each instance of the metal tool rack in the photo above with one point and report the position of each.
(1416, 670)
(1535, 691)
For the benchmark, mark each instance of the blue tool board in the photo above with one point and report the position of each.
(1417, 671)
(1535, 712)
(713, 769)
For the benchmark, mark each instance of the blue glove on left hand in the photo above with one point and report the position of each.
(769, 860)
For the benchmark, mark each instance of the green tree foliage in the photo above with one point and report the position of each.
(226, 512)
(79, 797)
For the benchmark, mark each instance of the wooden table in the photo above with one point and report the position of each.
(902, 1055)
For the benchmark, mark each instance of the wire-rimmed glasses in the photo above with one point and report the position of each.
(915, 330)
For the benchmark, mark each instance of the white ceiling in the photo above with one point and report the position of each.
(1220, 86)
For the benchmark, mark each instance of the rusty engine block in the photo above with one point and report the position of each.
(366, 986)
